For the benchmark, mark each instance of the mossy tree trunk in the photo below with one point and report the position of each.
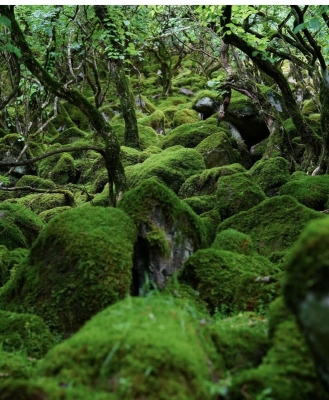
(122, 83)
(308, 137)
(324, 98)
(111, 155)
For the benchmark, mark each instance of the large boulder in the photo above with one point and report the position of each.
(80, 263)
(168, 232)
(307, 290)
(274, 224)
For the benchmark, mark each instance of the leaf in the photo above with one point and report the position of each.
(299, 27)
(4, 21)
(127, 23)
(254, 53)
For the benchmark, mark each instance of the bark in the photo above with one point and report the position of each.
(122, 83)
(111, 154)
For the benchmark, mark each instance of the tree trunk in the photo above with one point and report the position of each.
(112, 159)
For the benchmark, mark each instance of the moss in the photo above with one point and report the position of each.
(274, 224)
(90, 167)
(19, 226)
(77, 116)
(47, 215)
(286, 372)
(211, 220)
(70, 135)
(62, 120)
(80, 263)
(129, 156)
(298, 175)
(156, 121)
(202, 94)
(172, 101)
(46, 201)
(172, 167)
(201, 204)
(258, 150)
(148, 152)
(189, 135)
(235, 241)
(4, 264)
(169, 113)
(216, 150)
(271, 174)
(15, 366)
(185, 117)
(206, 182)
(35, 182)
(147, 137)
(237, 193)
(144, 105)
(25, 332)
(230, 282)
(139, 348)
(241, 106)
(138, 203)
(311, 191)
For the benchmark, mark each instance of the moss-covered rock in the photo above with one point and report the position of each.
(34, 182)
(236, 193)
(69, 136)
(168, 231)
(306, 290)
(80, 263)
(139, 348)
(144, 105)
(201, 204)
(9, 261)
(147, 137)
(172, 167)
(235, 241)
(90, 167)
(185, 116)
(47, 215)
(217, 150)
(129, 156)
(230, 282)
(15, 366)
(206, 182)
(25, 332)
(156, 121)
(274, 224)
(311, 191)
(206, 103)
(189, 135)
(77, 116)
(148, 152)
(19, 226)
(271, 174)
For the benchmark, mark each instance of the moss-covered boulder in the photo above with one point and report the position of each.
(146, 348)
(230, 282)
(306, 290)
(70, 135)
(143, 155)
(19, 226)
(156, 121)
(77, 116)
(206, 182)
(35, 182)
(47, 215)
(14, 367)
(311, 191)
(217, 150)
(172, 167)
(235, 241)
(25, 332)
(80, 263)
(287, 370)
(271, 174)
(190, 135)
(206, 102)
(236, 193)
(168, 231)
(90, 167)
(129, 156)
(201, 204)
(185, 116)
(144, 105)
(274, 224)
(147, 137)
(9, 261)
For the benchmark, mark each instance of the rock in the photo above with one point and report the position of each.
(187, 92)
(205, 103)
(80, 263)
(168, 232)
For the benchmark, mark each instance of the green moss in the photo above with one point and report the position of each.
(35, 182)
(15, 366)
(286, 372)
(211, 220)
(139, 348)
(47, 215)
(129, 156)
(204, 93)
(201, 204)
(46, 201)
(189, 135)
(298, 175)
(19, 226)
(148, 152)
(169, 113)
(144, 105)
(172, 167)
(206, 182)
(70, 135)
(172, 101)
(216, 150)
(230, 282)
(311, 191)
(274, 224)
(156, 121)
(147, 137)
(138, 203)
(77, 116)
(62, 120)
(237, 193)
(241, 105)
(185, 117)
(258, 150)
(25, 332)
(4, 264)
(271, 174)
(235, 241)
(80, 263)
